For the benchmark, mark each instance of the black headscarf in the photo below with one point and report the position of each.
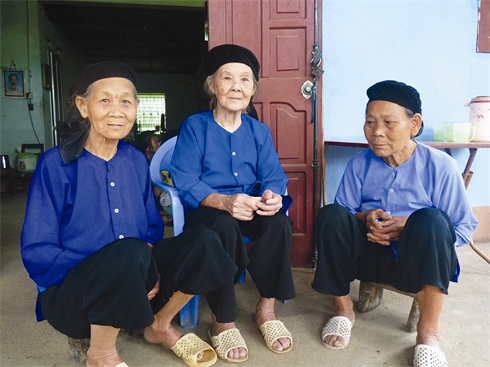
(399, 93)
(74, 130)
(224, 54)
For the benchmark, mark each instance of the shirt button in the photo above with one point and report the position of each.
(391, 190)
(236, 174)
(112, 184)
(116, 210)
(121, 236)
(233, 153)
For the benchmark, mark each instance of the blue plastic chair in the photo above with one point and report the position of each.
(161, 162)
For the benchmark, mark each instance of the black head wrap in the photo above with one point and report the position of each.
(399, 93)
(224, 54)
(74, 133)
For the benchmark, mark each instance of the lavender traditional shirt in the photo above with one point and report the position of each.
(430, 178)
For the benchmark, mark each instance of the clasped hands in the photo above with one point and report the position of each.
(382, 228)
(244, 207)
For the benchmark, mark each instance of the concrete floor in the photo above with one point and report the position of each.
(378, 339)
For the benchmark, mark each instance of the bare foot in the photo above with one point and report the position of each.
(161, 334)
(165, 334)
(343, 306)
(217, 327)
(265, 312)
(103, 359)
(428, 338)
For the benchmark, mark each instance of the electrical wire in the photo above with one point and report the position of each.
(32, 122)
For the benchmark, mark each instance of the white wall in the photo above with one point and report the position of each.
(430, 45)
(20, 43)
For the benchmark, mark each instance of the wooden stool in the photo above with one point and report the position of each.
(78, 349)
(371, 294)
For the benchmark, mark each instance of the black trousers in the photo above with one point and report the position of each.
(110, 287)
(425, 252)
(267, 262)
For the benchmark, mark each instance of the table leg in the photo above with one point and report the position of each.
(467, 174)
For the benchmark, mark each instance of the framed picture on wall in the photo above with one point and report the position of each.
(13, 83)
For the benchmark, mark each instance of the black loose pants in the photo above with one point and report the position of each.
(267, 262)
(425, 252)
(110, 287)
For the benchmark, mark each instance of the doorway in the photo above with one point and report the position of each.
(281, 35)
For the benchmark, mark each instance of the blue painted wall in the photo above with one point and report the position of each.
(430, 45)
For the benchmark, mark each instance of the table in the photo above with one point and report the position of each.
(447, 146)
(14, 181)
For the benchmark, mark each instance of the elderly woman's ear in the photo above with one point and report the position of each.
(82, 106)
(416, 124)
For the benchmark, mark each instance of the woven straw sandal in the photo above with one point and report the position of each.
(427, 356)
(339, 326)
(226, 341)
(273, 330)
(189, 346)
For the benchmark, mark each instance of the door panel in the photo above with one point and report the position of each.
(281, 35)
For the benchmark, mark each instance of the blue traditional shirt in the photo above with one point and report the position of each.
(430, 178)
(209, 159)
(74, 210)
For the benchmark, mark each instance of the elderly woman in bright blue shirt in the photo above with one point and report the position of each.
(230, 179)
(400, 209)
(92, 235)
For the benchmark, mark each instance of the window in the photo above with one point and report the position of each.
(151, 112)
(483, 44)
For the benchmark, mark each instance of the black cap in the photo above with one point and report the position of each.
(224, 54)
(104, 70)
(396, 92)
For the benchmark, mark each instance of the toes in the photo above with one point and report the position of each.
(335, 341)
(281, 344)
(237, 353)
(200, 357)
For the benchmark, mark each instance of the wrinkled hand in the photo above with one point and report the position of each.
(383, 228)
(241, 206)
(269, 203)
(154, 291)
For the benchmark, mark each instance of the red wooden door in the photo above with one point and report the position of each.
(281, 35)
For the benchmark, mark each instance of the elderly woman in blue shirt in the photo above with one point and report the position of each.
(230, 179)
(92, 236)
(400, 209)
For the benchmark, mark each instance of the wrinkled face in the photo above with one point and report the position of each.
(233, 86)
(388, 129)
(13, 79)
(111, 108)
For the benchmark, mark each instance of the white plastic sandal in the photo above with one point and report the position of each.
(339, 326)
(190, 346)
(273, 330)
(427, 356)
(226, 341)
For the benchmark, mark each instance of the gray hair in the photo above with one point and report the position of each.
(88, 92)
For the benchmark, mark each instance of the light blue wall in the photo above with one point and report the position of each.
(430, 45)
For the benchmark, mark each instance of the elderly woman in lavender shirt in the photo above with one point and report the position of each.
(400, 209)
